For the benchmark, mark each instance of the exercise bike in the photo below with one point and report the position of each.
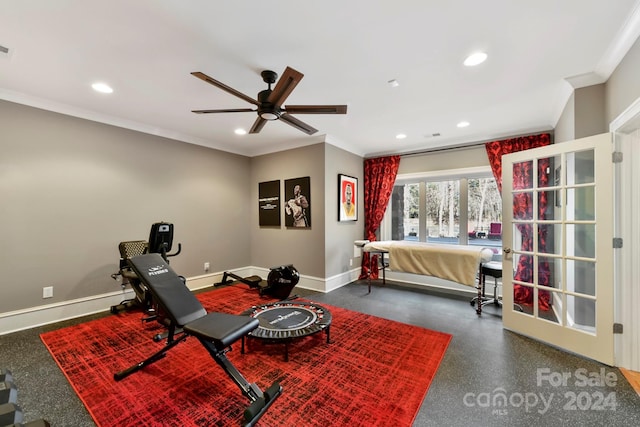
(160, 242)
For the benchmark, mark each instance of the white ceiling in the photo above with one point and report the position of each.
(347, 51)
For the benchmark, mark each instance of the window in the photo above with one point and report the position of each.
(455, 207)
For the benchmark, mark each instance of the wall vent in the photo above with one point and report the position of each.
(4, 51)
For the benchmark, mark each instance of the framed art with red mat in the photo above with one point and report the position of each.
(375, 372)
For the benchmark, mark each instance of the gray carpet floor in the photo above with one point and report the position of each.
(488, 377)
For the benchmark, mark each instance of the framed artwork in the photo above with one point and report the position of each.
(347, 198)
(269, 203)
(297, 207)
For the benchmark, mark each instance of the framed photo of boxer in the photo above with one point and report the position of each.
(347, 198)
(297, 202)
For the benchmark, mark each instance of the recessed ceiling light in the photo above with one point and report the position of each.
(401, 136)
(463, 124)
(102, 88)
(475, 59)
(393, 83)
(240, 131)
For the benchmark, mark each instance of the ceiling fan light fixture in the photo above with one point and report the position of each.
(270, 115)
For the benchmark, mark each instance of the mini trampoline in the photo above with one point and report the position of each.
(284, 321)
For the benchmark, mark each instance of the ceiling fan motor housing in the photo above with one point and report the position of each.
(267, 110)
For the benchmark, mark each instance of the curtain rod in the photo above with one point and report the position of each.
(469, 145)
(443, 148)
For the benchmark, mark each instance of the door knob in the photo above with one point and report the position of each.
(507, 250)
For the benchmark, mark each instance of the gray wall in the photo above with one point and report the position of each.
(302, 247)
(325, 249)
(583, 115)
(623, 87)
(340, 236)
(590, 110)
(565, 129)
(72, 189)
(444, 160)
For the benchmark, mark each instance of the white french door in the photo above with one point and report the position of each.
(558, 244)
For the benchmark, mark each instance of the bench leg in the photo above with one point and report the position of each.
(260, 401)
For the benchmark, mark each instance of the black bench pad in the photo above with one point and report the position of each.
(221, 328)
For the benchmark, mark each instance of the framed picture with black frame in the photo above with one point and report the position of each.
(347, 198)
(297, 207)
(269, 203)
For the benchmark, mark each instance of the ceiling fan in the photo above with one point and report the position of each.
(269, 102)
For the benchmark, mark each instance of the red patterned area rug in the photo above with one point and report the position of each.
(376, 372)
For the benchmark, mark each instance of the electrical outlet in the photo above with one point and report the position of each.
(47, 292)
(350, 262)
(206, 266)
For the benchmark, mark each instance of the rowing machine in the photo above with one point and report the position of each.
(280, 281)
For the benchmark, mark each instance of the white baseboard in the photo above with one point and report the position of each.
(19, 320)
(51, 313)
(32, 317)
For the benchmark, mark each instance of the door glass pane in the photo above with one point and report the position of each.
(581, 277)
(546, 205)
(545, 174)
(581, 240)
(522, 237)
(551, 304)
(581, 205)
(581, 313)
(522, 175)
(580, 167)
(549, 271)
(523, 206)
(523, 265)
(550, 238)
(523, 298)
(443, 211)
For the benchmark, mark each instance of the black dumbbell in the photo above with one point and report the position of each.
(8, 392)
(10, 413)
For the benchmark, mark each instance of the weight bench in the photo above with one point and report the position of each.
(215, 331)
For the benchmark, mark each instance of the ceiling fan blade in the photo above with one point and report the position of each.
(285, 85)
(316, 109)
(224, 87)
(298, 124)
(258, 125)
(228, 110)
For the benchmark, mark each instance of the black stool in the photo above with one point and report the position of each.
(493, 269)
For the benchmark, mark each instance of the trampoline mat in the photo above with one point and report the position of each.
(288, 319)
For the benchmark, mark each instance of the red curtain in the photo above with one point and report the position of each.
(379, 177)
(496, 149)
(523, 209)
